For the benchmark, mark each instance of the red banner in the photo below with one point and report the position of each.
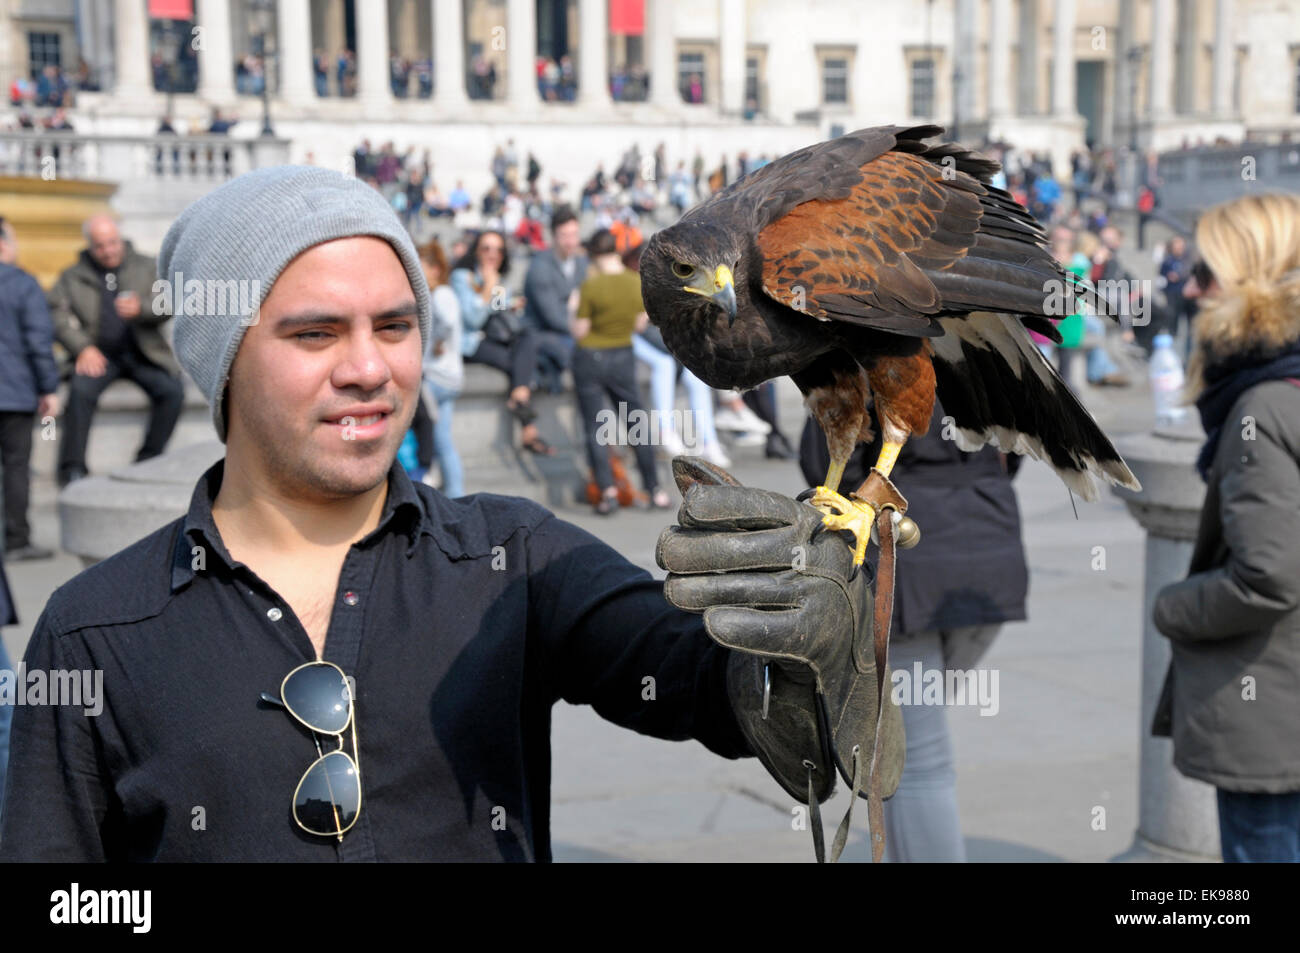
(171, 9)
(627, 17)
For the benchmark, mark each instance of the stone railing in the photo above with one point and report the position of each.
(1194, 179)
(205, 160)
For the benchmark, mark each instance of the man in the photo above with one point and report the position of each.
(28, 380)
(110, 320)
(1176, 269)
(460, 622)
(459, 199)
(1121, 290)
(552, 280)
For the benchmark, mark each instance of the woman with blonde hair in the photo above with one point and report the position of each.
(1231, 700)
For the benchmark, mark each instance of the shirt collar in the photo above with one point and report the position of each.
(404, 511)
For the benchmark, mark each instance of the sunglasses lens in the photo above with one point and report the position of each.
(319, 696)
(329, 796)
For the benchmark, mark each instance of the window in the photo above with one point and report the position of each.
(690, 76)
(755, 81)
(922, 86)
(1296, 76)
(42, 51)
(835, 80)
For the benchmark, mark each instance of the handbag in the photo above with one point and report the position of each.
(627, 494)
(501, 327)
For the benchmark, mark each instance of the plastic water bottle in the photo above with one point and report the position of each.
(1166, 373)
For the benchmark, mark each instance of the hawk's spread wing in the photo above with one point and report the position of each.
(907, 233)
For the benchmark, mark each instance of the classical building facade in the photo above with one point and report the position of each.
(717, 75)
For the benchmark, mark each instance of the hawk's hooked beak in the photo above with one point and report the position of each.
(724, 292)
(720, 289)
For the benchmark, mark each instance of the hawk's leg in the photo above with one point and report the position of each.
(904, 396)
(840, 406)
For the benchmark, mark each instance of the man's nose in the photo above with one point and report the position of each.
(364, 365)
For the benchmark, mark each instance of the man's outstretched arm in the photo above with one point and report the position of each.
(611, 640)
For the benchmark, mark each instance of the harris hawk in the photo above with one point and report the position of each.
(877, 267)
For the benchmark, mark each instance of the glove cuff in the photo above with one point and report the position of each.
(793, 735)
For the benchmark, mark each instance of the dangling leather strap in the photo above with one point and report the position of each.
(884, 616)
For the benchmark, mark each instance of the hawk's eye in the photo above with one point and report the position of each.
(683, 270)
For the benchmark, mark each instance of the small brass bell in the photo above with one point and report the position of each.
(906, 533)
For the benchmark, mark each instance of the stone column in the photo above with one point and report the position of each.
(294, 51)
(1027, 74)
(999, 58)
(521, 53)
(963, 64)
(1225, 60)
(1178, 817)
(593, 66)
(1063, 83)
(1125, 88)
(332, 30)
(373, 89)
(448, 54)
(1162, 59)
(663, 56)
(131, 50)
(406, 38)
(216, 58)
(731, 56)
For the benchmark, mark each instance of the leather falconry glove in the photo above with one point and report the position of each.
(784, 597)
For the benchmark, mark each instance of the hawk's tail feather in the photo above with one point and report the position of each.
(1000, 390)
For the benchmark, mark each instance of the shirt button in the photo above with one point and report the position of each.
(351, 598)
(274, 614)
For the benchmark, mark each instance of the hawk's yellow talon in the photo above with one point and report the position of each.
(840, 512)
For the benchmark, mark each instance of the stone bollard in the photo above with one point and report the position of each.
(1178, 817)
(101, 515)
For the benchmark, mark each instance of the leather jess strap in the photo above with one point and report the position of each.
(883, 613)
(884, 609)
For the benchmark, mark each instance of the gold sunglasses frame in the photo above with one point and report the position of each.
(354, 759)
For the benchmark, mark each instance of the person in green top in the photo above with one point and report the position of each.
(609, 312)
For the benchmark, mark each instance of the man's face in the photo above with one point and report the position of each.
(323, 387)
(105, 243)
(1111, 237)
(567, 239)
(1177, 247)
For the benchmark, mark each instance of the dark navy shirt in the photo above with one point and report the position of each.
(462, 621)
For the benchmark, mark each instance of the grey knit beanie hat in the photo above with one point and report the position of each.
(236, 241)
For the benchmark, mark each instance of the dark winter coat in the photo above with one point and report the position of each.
(1231, 700)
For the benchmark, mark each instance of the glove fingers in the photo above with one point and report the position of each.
(771, 633)
(682, 550)
(740, 507)
(772, 590)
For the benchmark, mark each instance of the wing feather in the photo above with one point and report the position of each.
(912, 232)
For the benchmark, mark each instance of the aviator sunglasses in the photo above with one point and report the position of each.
(328, 798)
